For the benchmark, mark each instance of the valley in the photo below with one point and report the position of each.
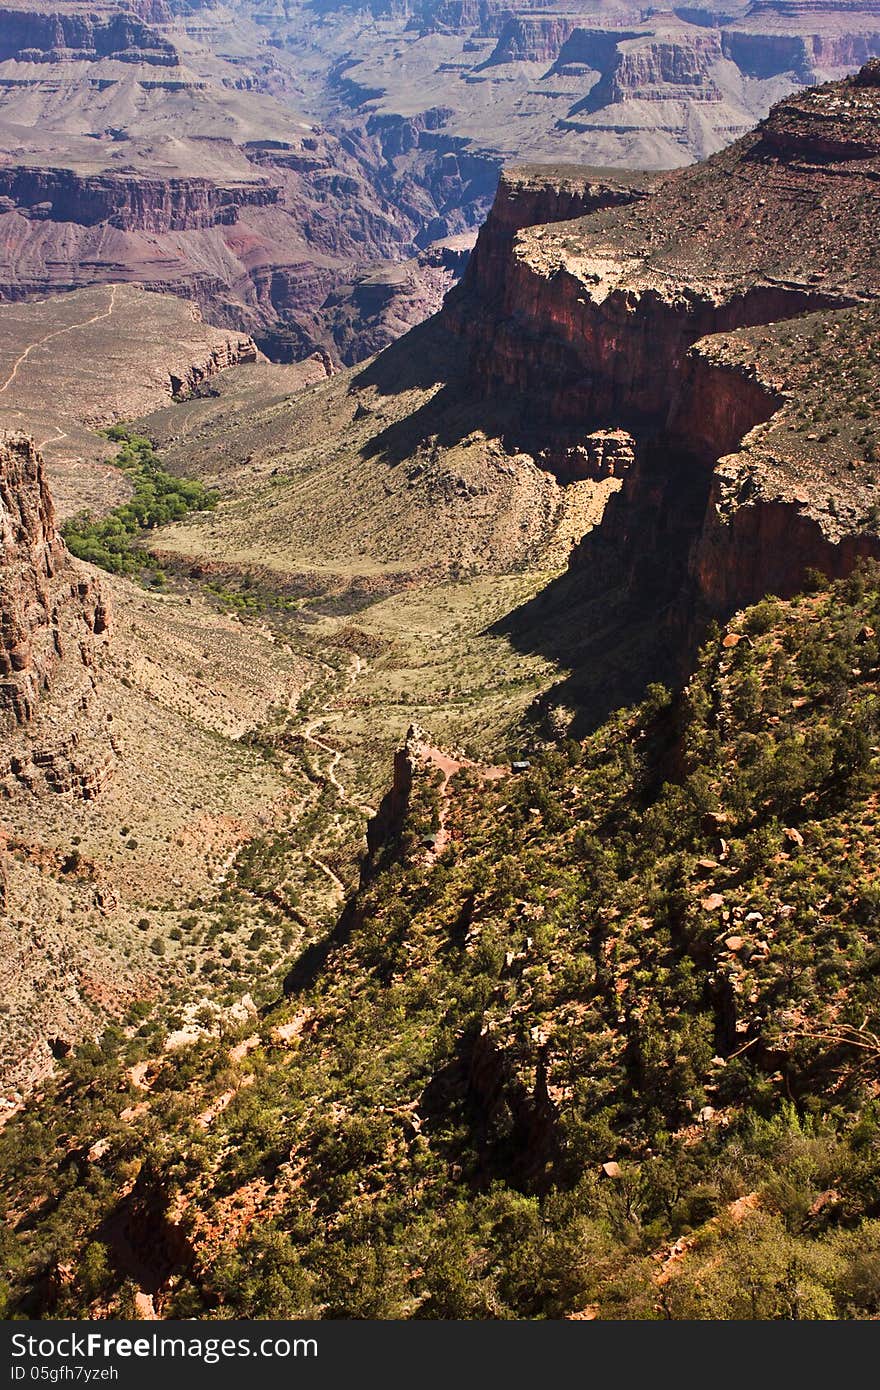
(314, 177)
(439, 872)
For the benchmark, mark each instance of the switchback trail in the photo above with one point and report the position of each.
(335, 754)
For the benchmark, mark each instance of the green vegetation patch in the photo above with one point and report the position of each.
(158, 498)
(613, 1051)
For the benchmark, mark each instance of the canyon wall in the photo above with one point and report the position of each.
(598, 323)
(604, 355)
(750, 547)
(761, 55)
(653, 70)
(529, 196)
(135, 203)
(53, 619)
(531, 39)
(64, 35)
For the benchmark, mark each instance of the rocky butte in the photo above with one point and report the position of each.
(53, 620)
(711, 316)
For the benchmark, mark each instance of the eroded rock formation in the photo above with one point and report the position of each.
(127, 203)
(664, 314)
(101, 31)
(53, 618)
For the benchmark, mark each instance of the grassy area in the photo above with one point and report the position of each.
(157, 498)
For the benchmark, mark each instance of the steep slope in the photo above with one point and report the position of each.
(53, 618)
(646, 318)
(365, 484)
(611, 1050)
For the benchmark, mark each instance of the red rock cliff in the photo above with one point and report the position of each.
(53, 616)
(596, 322)
(128, 203)
(531, 195)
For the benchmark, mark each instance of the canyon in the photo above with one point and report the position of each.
(313, 178)
(129, 154)
(124, 782)
(590, 990)
(616, 430)
(660, 310)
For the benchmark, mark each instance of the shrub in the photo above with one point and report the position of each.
(158, 498)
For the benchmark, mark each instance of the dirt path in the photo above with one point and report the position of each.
(358, 666)
(449, 766)
(309, 735)
(336, 755)
(57, 333)
(325, 774)
(325, 869)
(59, 435)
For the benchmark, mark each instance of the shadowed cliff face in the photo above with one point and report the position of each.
(670, 312)
(52, 616)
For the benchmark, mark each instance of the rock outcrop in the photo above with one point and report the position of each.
(531, 195)
(663, 314)
(658, 69)
(532, 39)
(53, 618)
(384, 828)
(230, 352)
(600, 454)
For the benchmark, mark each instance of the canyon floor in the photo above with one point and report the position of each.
(333, 596)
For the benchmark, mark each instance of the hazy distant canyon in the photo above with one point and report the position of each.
(313, 174)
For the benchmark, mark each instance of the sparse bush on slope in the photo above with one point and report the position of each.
(616, 1050)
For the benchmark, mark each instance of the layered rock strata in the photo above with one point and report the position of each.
(644, 315)
(127, 203)
(53, 620)
(101, 31)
